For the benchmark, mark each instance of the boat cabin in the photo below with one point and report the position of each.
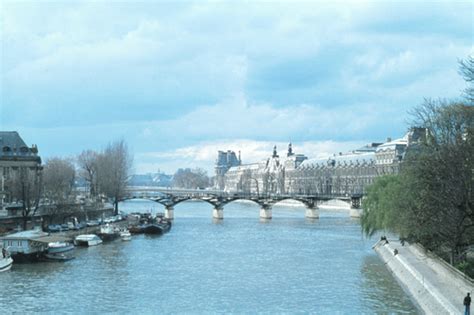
(28, 245)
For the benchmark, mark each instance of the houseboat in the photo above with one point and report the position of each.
(23, 246)
(29, 246)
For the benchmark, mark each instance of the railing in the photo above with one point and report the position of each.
(144, 192)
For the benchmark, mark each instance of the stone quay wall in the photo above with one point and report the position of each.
(435, 286)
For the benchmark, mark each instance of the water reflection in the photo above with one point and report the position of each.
(379, 289)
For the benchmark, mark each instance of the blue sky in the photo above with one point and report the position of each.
(180, 80)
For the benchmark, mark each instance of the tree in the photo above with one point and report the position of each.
(113, 167)
(431, 201)
(381, 204)
(87, 162)
(466, 69)
(191, 178)
(25, 186)
(58, 177)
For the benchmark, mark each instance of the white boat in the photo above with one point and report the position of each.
(6, 261)
(109, 233)
(59, 247)
(59, 251)
(125, 235)
(87, 240)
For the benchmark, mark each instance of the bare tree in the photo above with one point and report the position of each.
(191, 178)
(466, 69)
(113, 168)
(87, 162)
(58, 178)
(25, 186)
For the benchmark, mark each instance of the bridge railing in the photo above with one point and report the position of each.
(162, 192)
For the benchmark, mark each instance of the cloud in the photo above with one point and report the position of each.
(169, 76)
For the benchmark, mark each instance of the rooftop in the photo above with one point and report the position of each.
(11, 144)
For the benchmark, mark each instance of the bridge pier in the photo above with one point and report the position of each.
(266, 213)
(169, 212)
(356, 209)
(312, 213)
(355, 212)
(218, 213)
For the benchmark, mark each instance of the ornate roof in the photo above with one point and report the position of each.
(339, 160)
(12, 145)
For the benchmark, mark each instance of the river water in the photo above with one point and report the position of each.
(238, 265)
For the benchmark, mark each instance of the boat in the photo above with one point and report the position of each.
(108, 233)
(137, 229)
(59, 247)
(25, 246)
(6, 261)
(157, 228)
(57, 257)
(87, 240)
(34, 245)
(59, 251)
(125, 235)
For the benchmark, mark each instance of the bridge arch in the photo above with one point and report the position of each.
(308, 203)
(257, 202)
(151, 199)
(193, 199)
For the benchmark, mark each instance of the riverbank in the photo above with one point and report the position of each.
(435, 286)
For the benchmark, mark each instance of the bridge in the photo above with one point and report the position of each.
(169, 198)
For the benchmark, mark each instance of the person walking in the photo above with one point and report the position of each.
(467, 304)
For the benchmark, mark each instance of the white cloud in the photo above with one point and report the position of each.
(170, 75)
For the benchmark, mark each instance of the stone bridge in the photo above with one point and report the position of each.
(169, 198)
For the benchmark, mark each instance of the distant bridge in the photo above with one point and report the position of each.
(169, 198)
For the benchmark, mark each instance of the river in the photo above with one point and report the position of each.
(238, 265)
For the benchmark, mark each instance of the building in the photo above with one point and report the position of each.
(267, 176)
(342, 174)
(16, 160)
(225, 160)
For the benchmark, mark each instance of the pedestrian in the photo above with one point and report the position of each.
(467, 304)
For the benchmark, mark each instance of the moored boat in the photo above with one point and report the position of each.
(136, 229)
(59, 247)
(59, 251)
(157, 228)
(6, 261)
(108, 233)
(125, 235)
(58, 257)
(24, 246)
(87, 240)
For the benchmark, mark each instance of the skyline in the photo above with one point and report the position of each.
(179, 81)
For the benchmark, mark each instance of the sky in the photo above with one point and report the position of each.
(180, 80)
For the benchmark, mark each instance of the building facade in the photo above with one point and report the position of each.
(342, 174)
(17, 160)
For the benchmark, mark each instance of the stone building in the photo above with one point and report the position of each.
(342, 174)
(267, 176)
(15, 158)
(225, 160)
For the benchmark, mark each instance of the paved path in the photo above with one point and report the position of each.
(434, 286)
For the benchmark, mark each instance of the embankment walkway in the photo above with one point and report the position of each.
(434, 285)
